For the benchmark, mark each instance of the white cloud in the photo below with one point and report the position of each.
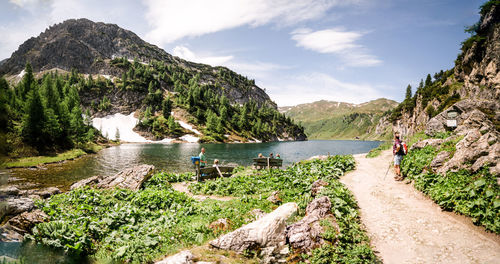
(175, 19)
(285, 88)
(306, 88)
(187, 54)
(336, 41)
(254, 70)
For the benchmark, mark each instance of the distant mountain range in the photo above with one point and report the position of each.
(340, 120)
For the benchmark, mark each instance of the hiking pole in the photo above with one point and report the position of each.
(388, 168)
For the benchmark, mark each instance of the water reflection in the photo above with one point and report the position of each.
(176, 157)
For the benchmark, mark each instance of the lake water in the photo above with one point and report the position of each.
(176, 157)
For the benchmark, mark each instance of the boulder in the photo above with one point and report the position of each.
(25, 221)
(9, 235)
(131, 178)
(183, 257)
(473, 149)
(17, 205)
(317, 186)
(440, 159)
(266, 233)
(305, 234)
(434, 142)
(9, 190)
(274, 197)
(92, 181)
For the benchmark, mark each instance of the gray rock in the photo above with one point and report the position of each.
(183, 257)
(9, 190)
(131, 178)
(266, 232)
(305, 235)
(474, 149)
(86, 182)
(434, 142)
(440, 159)
(43, 193)
(17, 205)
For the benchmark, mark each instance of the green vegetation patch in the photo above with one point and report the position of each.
(294, 185)
(139, 227)
(38, 160)
(472, 194)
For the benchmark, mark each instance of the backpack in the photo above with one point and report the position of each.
(404, 149)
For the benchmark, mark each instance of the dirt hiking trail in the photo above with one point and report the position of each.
(407, 227)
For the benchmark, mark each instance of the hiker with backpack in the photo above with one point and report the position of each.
(399, 149)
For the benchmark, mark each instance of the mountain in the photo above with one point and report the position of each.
(339, 120)
(115, 71)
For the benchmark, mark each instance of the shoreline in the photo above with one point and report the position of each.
(40, 161)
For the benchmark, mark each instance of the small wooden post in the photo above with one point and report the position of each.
(198, 174)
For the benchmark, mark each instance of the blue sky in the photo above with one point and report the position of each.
(300, 51)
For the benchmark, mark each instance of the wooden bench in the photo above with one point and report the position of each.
(261, 163)
(211, 172)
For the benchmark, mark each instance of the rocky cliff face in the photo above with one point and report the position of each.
(473, 89)
(479, 65)
(476, 75)
(88, 47)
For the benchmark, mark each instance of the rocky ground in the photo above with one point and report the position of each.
(407, 227)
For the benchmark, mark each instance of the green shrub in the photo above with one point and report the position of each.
(472, 194)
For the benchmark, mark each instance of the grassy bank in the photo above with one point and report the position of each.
(39, 160)
(472, 194)
(27, 162)
(139, 227)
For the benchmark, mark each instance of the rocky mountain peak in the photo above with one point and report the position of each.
(81, 44)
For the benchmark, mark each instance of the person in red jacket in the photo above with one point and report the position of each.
(398, 152)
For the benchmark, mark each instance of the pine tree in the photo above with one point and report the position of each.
(27, 82)
(50, 94)
(4, 99)
(33, 119)
(223, 113)
(428, 80)
(76, 123)
(166, 107)
(124, 80)
(172, 125)
(408, 92)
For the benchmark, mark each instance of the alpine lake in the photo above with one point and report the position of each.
(174, 157)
